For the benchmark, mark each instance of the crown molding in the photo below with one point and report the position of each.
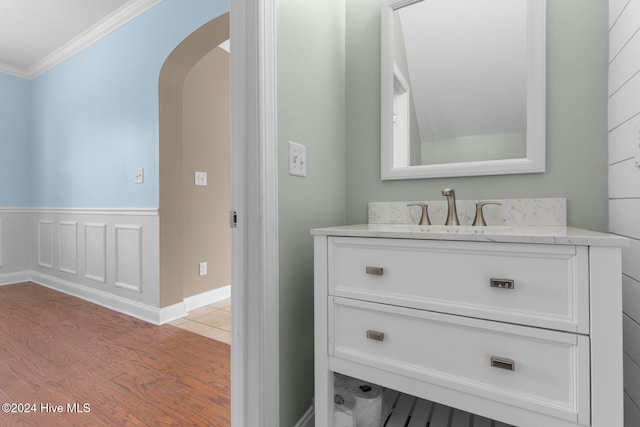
(113, 21)
(14, 71)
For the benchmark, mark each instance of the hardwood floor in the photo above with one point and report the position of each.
(57, 351)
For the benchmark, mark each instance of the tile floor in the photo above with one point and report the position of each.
(212, 321)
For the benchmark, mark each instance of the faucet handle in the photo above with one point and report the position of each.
(424, 217)
(479, 219)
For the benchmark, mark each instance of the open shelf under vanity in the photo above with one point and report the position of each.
(410, 411)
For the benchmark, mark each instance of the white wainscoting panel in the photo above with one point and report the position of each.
(107, 256)
(624, 179)
(630, 297)
(623, 217)
(631, 412)
(622, 140)
(615, 9)
(631, 331)
(15, 246)
(95, 251)
(630, 264)
(624, 104)
(68, 246)
(45, 243)
(624, 28)
(117, 257)
(624, 65)
(129, 257)
(632, 379)
(1, 243)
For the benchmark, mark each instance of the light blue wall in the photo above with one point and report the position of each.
(15, 142)
(95, 116)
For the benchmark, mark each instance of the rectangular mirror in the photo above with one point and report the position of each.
(463, 88)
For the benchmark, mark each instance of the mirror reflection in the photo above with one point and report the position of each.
(460, 81)
(462, 88)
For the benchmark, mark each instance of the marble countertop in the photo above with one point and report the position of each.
(555, 235)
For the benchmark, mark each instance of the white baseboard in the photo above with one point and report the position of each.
(157, 316)
(172, 312)
(179, 310)
(307, 419)
(13, 278)
(110, 301)
(206, 298)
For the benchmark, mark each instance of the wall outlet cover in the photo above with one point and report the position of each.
(139, 176)
(201, 178)
(203, 268)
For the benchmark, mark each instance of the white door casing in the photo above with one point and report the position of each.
(255, 341)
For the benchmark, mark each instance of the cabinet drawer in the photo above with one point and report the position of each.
(549, 282)
(550, 369)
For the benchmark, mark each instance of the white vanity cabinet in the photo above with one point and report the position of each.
(520, 325)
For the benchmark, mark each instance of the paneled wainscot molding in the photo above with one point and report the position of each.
(95, 244)
(107, 256)
(68, 246)
(45, 243)
(1, 243)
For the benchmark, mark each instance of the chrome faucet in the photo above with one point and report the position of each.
(452, 214)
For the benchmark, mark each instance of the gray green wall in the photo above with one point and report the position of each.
(310, 61)
(577, 44)
(328, 63)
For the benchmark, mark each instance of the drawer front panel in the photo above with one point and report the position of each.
(538, 285)
(539, 370)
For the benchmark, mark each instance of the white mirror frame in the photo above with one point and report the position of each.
(534, 162)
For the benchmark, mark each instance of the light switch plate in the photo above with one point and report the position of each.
(297, 159)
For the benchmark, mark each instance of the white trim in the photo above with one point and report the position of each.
(14, 210)
(86, 211)
(208, 297)
(104, 299)
(1, 243)
(307, 419)
(172, 312)
(14, 278)
(136, 287)
(88, 247)
(157, 316)
(73, 225)
(255, 344)
(181, 309)
(112, 22)
(14, 71)
(39, 239)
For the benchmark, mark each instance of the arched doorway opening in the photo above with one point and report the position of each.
(177, 226)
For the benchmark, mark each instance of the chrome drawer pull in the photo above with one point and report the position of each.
(377, 271)
(502, 283)
(375, 335)
(502, 363)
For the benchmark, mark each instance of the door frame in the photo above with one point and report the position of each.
(255, 385)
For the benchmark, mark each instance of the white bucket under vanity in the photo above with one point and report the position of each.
(516, 323)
